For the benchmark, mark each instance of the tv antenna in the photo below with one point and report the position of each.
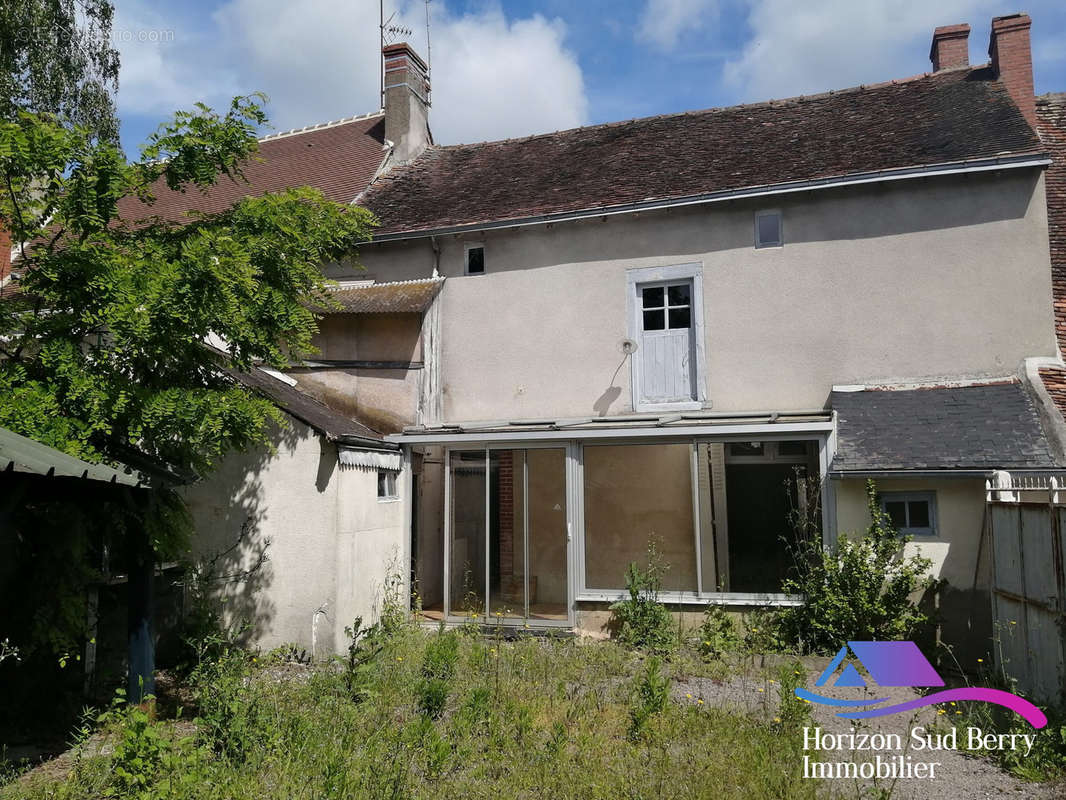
(392, 32)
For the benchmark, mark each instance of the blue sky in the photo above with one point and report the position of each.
(514, 67)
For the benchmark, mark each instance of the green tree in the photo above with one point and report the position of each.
(102, 352)
(56, 57)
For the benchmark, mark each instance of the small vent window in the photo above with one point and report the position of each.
(911, 513)
(387, 485)
(475, 260)
(768, 229)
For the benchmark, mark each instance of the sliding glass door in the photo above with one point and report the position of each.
(507, 537)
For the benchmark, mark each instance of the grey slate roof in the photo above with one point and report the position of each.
(990, 426)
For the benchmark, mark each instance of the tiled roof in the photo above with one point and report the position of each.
(981, 427)
(322, 418)
(950, 116)
(338, 158)
(388, 298)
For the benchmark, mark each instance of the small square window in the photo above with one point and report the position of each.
(475, 260)
(768, 229)
(911, 513)
(387, 485)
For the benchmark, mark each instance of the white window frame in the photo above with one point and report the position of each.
(635, 278)
(908, 497)
(466, 258)
(392, 492)
(768, 212)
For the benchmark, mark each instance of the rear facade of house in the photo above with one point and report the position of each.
(680, 333)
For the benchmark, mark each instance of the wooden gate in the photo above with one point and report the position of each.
(1028, 525)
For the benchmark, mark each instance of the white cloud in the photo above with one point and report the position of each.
(317, 60)
(663, 22)
(822, 44)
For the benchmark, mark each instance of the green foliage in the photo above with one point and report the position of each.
(792, 713)
(641, 620)
(231, 718)
(438, 668)
(105, 352)
(858, 590)
(649, 699)
(363, 649)
(718, 633)
(763, 632)
(56, 57)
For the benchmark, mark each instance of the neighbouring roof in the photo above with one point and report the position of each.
(338, 158)
(332, 424)
(946, 117)
(20, 454)
(398, 297)
(979, 427)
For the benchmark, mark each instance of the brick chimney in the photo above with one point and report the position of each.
(406, 102)
(1012, 61)
(951, 47)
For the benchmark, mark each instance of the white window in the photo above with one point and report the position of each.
(387, 485)
(768, 231)
(911, 513)
(666, 324)
(475, 259)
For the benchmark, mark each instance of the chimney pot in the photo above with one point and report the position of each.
(951, 47)
(1012, 61)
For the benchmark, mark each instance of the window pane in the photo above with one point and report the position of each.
(792, 448)
(745, 448)
(769, 229)
(381, 483)
(919, 510)
(475, 260)
(679, 318)
(635, 494)
(654, 320)
(679, 295)
(653, 297)
(467, 579)
(897, 512)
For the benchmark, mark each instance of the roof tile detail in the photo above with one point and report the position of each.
(945, 117)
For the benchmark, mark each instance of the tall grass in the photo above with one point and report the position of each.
(504, 719)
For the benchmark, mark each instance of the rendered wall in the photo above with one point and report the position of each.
(326, 538)
(958, 554)
(903, 281)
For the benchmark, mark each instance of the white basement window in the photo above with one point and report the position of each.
(768, 231)
(911, 513)
(475, 259)
(387, 485)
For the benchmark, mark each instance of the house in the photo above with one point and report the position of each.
(673, 330)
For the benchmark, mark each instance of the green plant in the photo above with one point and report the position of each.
(859, 589)
(718, 633)
(364, 648)
(792, 712)
(230, 712)
(438, 668)
(641, 620)
(649, 698)
(763, 632)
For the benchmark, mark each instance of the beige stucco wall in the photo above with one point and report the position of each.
(328, 540)
(956, 551)
(907, 280)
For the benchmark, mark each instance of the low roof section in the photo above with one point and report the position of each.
(975, 428)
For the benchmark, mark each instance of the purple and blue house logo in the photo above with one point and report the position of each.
(891, 664)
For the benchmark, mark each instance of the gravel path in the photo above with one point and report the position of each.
(958, 776)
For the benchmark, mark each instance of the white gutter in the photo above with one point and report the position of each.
(741, 432)
(854, 179)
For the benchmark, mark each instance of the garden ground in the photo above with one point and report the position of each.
(416, 713)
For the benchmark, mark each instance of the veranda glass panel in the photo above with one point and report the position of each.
(546, 479)
(507, 566)
(636, 495)
(467, 566)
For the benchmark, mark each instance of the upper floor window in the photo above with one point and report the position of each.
(911, 513)
(475, 259)
(768, 231)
